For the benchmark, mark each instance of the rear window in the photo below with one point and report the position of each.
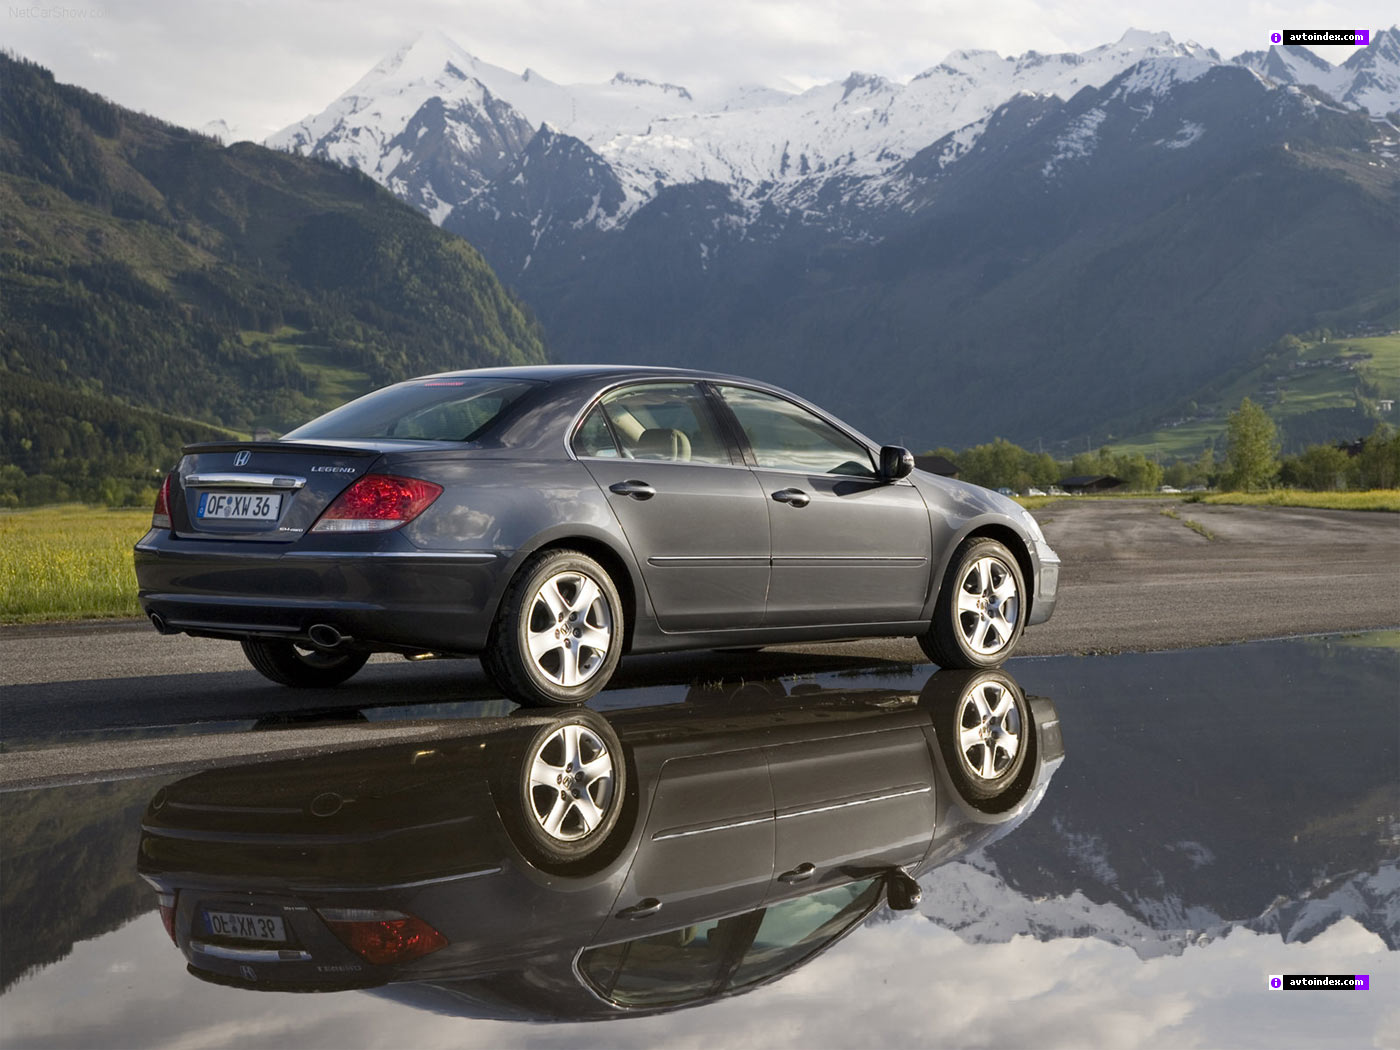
(437, 409)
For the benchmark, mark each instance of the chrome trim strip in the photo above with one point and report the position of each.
(802, 811)
(245, 481)
(685, 831)
(316, 887)
(468, 556)
(786, 559)
(704, 559)
(251, 954)
(849, 559)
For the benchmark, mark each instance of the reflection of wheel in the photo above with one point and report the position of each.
(980, 611)
(558, 635)
(570, 788)
(985, 734)
(288, 664)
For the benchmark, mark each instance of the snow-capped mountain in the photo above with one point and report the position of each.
(1369, 79)
(964, 227)
(972, 898)
(435, 124)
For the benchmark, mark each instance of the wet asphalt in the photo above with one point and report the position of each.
(1136, 576)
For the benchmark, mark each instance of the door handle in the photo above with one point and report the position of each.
(638, 490)
(640, 910)
(794, 497)
(801, 873)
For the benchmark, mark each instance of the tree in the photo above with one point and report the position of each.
(1251, 448)
(1321, 468)
(1380, 459)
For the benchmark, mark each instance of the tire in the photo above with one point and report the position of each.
(566, 790)
(558, 634)
(286, 664)
(981, 609)
(985, 733)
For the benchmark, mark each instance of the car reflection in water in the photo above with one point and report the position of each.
(575, 867)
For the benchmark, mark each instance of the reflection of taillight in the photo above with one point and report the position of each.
(160, 517)
(383, 937)
(167, 915)
(378, 502)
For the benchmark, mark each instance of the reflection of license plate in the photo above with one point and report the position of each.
(239, 506)
(245, 927)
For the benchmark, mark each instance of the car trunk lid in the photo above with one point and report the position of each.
(266, 491)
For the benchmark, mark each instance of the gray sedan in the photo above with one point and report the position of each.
(550, 519)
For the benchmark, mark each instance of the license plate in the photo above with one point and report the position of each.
(239, 506)
(244, 926)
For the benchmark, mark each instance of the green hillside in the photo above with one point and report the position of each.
(145, 265)
(1316, 391)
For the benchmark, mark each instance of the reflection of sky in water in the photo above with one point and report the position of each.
(901, 983)
(1208, 801)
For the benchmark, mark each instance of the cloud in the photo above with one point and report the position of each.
(261, 64)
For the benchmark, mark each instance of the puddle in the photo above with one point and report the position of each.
(1218, 816)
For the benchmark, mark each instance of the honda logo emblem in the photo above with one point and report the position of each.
(249, 974)
(241, 460)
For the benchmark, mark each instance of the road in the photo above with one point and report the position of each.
(1134, 578)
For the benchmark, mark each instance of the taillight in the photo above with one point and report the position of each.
(167, 915)
(160, 517)
(383, 937)
(378, 502)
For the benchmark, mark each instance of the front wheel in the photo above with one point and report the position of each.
(981, 608)
(558, 635)
(984, 731)
(288, 664)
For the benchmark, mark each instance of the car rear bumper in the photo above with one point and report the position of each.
(395, 597)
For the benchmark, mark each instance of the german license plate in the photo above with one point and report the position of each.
(245, 927)
(239, 506)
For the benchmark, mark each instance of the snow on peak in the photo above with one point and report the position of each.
(1141, 38)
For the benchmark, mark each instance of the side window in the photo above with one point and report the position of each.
(785, 436)
(665, 421)
(594, 438)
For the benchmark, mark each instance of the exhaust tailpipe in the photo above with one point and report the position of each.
(324, 636)
(158, 622)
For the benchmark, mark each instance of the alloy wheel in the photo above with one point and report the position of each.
(990, 730)
(569, 628)
(988, 605)
(572, 781)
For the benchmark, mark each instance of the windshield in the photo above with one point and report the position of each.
(438, 408)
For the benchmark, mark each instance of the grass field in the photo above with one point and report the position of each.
(1325, 376)
(68, 563)
(1374, 499)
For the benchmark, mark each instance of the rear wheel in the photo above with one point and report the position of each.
(289, 664)
(558, 635)
(569, 788)
(981, 608)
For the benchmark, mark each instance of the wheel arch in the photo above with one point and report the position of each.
(606, 555)
(1009, 538)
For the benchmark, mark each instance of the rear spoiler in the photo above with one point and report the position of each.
(279, 446)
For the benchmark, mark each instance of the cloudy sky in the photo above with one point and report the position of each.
(262, 64)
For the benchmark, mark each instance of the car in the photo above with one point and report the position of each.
(579, 865)
(1033, 491)
(548, 519)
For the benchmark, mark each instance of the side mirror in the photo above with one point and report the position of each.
(895, 462)
(902, 892)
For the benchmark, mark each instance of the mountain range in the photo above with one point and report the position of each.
(1035, 247)
(155, 285)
